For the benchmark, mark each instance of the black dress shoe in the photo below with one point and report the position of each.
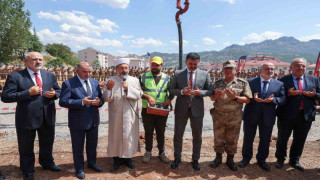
(117, 162)
(264, 166)
(129, 163)
(80, 174)
(2, 176)
(95, 167)
(54, 168)
(243, 163)
(279, 163)
(296, 165)
(175, 163)
(196, 165)
(28, 176)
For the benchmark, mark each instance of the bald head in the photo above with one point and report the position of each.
(298, 66)
(84, 70)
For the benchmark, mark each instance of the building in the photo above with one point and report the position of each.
(135, 61)
(90, 55)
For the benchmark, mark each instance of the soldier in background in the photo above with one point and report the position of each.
(64, 73)
(70, 73)
(57, 72)
(2, 71)
(230, 94)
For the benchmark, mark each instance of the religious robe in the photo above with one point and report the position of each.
(123, 132)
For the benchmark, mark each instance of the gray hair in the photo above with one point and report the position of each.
(83, 64)
(266, 63)
(298, 59)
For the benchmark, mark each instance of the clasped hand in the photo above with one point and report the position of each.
(267, 100)
(292, 92)
(190, 92)
(94, 102)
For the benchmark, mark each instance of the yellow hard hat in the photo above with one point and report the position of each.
(157, 60)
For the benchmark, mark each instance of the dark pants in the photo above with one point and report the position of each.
(154, 122)
(264, 142)
(300, 128)
(77, 138)
(180, 123)
(26, 139)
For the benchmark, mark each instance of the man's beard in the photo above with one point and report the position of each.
(155, 71)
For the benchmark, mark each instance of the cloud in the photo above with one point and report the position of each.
(317, 25)
(74, 40)
(114, 3)
(122, 53)
(227, 43)
(310, 37)
(256, 38)
(196, 46)
(229, 1)
(142, 42)
(126, 36)
(185, 42)
(208, 41)
(217, 26)
(80, 22)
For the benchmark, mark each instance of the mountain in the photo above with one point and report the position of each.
(285, 48)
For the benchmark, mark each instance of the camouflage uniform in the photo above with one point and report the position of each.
(227, 115)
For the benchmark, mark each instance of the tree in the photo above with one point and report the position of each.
(63, 52)
(34, 43)
(54, 62)
(96, 63)
(14, 30)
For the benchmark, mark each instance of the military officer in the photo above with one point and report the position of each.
(230, 95)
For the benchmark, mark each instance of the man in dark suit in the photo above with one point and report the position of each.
(34, 90)
(297, 114)
(261, 111)
(190, 86)
(82, 95)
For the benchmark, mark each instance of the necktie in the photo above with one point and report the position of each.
(190, 80)
(89, 92)
(264, 89)
(38, 81)
(301, 89)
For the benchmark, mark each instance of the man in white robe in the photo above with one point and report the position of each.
(122, 92)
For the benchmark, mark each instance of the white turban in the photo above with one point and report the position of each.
(121, 61)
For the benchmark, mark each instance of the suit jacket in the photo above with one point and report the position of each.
(31, 110)
(80, 116)
(290, 110)
(180, 81)
(254, 110)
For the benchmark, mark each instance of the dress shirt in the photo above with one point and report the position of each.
(33, 77)
(295, 82)
(193, 79)
(84, 84)
(261, 83)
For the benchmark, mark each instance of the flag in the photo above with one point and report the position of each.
(317, 66)
(148, 57)
(242, 62)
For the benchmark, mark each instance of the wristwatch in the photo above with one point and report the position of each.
(236, 98)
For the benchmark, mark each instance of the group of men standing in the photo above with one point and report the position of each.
(291, 98)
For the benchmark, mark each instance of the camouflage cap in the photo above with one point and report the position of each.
(229, 63)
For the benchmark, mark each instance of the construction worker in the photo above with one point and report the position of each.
(155, 86)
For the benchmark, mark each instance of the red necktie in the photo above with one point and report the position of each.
(301, 89)
(190, 80)
(39, 83)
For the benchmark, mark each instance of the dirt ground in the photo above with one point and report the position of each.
(9, 163)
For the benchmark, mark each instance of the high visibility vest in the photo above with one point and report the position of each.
(158, 92)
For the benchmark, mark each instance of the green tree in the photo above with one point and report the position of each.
(64, 52)
(14, 30)
(34, 43)
(96, 63)
(54, 62)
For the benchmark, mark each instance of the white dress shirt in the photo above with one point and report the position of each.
(33, 77)
(84, 84)
(261, 83)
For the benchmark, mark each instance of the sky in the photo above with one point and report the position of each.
(120, 27)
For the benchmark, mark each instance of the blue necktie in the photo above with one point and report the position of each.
(264, 90)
